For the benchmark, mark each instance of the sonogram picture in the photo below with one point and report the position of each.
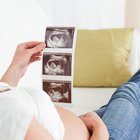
(57, 63)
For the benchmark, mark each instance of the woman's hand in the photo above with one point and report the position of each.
(95, 126)
(91, 120)
(25, 54)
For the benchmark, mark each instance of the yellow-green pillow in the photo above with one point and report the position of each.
(101, 57)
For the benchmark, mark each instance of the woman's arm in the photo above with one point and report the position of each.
(25, 54)
(95, 126)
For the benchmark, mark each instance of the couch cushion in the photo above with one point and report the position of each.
(101, 57)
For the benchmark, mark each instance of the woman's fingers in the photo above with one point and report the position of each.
(31, 44)
(34, 59)
(37, 49)
(37, 54)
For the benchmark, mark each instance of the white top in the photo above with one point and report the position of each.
(17, 108)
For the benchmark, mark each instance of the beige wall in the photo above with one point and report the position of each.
(132, 14)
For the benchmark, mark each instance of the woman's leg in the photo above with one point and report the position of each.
(122, 114)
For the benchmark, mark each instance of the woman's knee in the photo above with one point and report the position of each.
(129, 91)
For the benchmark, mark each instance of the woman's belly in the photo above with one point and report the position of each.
(75, 129)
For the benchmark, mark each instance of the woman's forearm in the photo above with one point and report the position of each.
(11, 76)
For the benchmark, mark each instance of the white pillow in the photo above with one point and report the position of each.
(134, 57)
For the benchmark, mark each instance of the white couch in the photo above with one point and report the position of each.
(89, 99)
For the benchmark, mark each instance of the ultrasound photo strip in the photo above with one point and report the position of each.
(57, 63)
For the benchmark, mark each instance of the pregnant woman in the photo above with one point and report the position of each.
(29, 114)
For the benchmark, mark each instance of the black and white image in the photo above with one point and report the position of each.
(57, 64)
(59, 91)
(59, 37)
